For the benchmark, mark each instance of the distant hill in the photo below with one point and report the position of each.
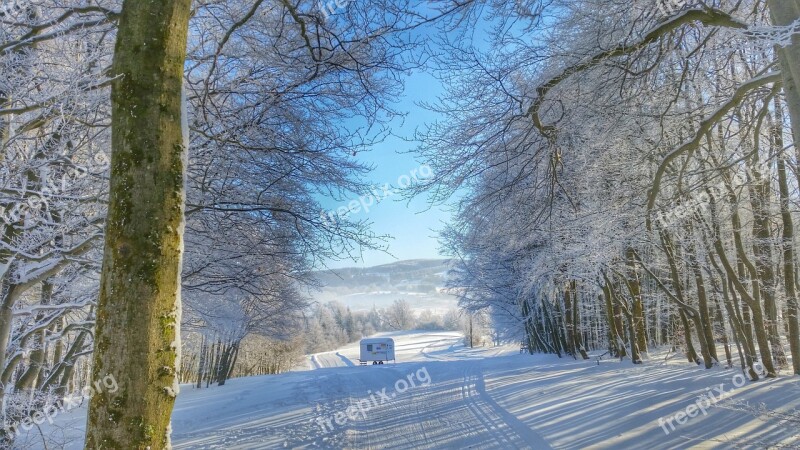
(419, 281)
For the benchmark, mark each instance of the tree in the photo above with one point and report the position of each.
(280, 98)
(53, 166)
(138, 316)
(632, 159)
(400, 316)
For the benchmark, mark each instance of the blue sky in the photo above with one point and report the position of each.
(412, 225)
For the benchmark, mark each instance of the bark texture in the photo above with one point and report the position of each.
(138, 317)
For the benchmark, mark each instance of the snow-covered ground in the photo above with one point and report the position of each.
(440, 394)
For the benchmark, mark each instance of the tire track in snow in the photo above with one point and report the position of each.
(455, 411)
(483, 404)
(404, 422)
(375, 430)
(450, 344)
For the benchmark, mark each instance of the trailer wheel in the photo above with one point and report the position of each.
(380, 362)
(374, 362)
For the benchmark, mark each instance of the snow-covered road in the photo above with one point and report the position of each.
(442, 395)
(434, 397)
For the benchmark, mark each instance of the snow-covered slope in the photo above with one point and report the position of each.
(440, 394)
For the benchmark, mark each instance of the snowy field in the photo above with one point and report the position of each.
(440, 394)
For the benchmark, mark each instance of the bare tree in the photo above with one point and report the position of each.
(400, 316)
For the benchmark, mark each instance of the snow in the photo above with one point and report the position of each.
(478, 398)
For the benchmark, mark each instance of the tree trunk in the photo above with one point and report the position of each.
(234, 359)
(6, 320)
(789, 269)
(552, 328)
(579, 339)
(720, 331)
(138, 317)
(691, 353)
(37, 358)
(788, 260)
(635, 354)
(744, 341)
(618, 325)
(763, 259)
(625, 308)
(558, 324)
(747, 322)
(612, 326)
(755, 307)
(634, 287)
(201, 365)
(216, 349)
(569, 325)
(743, 262)
(785, 13)
(705, 328)
(62, 371)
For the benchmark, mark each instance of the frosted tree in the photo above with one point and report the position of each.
(594, 168)
(53, 170)
(400, 316)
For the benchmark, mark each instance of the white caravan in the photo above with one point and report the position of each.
(377, 350)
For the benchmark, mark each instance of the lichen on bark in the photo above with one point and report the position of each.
(138, 318)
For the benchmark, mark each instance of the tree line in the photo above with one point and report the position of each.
(630, 178)
(211, 356)
(627, 178)
(159, 150)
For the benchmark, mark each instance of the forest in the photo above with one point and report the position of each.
(622, 174)
(640, 191)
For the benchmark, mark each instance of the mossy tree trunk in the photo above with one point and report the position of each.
(138, 318)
